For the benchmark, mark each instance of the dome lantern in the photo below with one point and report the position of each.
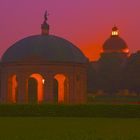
(115, 31)
(45, 26)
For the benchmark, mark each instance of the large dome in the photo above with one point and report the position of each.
(46, 48)
(115, 44)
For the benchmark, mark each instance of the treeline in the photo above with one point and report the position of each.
(114, 72)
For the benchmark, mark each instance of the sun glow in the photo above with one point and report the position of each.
(126, 50)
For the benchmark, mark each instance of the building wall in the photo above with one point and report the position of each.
(76, 77)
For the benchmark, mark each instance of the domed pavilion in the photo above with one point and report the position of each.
(43, 69)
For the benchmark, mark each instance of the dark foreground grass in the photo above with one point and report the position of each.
(90, 110)
(50, 128)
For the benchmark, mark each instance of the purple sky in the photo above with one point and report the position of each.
(86, 23)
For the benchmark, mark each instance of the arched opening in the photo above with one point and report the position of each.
(35, 88)
(12, 89)
(61, 88)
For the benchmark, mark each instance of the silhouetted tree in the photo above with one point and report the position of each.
(92, 79)
(131, 76)
(110, 72)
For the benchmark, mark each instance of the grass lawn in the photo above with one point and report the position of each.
(61, 128)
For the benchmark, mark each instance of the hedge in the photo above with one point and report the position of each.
(89, 110)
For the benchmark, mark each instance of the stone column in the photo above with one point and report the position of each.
(48, 88)
(85, 87)
(4, 88)
(22, 89)
(66, 90)
(72, 87)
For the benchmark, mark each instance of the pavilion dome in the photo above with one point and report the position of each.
(48, 48)
(115, 43)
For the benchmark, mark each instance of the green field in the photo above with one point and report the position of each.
(70, 122)
(54, 128)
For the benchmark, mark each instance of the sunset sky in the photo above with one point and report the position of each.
(86, 23)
